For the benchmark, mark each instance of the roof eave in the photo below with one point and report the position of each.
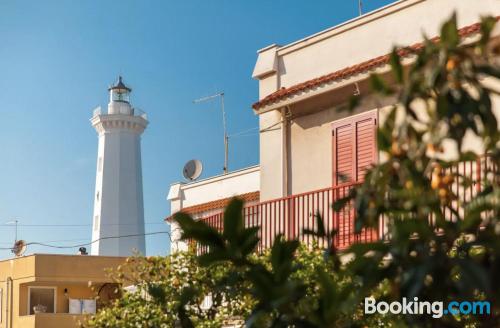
(288, 96)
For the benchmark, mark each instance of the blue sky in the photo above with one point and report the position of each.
(57, 59)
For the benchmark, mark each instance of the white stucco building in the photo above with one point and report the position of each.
(209, 196)
(118, 199)
(307, 144)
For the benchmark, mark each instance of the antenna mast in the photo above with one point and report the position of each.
(360, 7)
(14, 222)
(226, 137)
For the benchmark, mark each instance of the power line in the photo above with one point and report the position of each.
(247, 135)
(94, 241)
(243, 132)
(54, 241)
(80, 225)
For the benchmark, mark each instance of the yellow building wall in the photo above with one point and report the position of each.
(76, 273)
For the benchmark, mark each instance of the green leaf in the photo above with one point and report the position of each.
(157, 292)
(474, 275)
(233, 219)
(468, 156)
(489, 70)
(397, 68)
(282, 254)
(198, 230)
(378, 85)
(320, 231)
(249, 240)
(212, 257)
(341, 203)
(449, 32)
(354, 102)
(487, 25)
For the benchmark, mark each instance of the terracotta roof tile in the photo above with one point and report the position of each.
(352, 70)
(218, 204)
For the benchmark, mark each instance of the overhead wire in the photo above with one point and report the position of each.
(54, 241)
(242, 132)
(94, 241)
(76, 225)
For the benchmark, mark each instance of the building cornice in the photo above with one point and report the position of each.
(118, 122)
(348, 25)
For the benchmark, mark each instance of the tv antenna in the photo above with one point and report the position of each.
(360, 7)
(14, 222)
(226, 138)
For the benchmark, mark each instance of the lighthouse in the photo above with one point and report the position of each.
(118, 220)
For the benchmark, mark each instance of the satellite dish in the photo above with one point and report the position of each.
(192, 170)
(19, 248)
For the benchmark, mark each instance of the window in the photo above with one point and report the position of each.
(354, 147)
(354, 151)
(96, 222)
(99, 164)
(41, 298)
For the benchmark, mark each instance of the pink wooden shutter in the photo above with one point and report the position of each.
(354, 147)
(365, 143)
(354, 150)
(343, 152)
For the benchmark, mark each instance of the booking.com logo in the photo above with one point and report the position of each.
(436, 309)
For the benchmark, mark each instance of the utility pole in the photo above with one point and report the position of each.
(224, 124)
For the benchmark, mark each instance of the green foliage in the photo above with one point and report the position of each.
(444, 95)
(236, 241)
(171, 290)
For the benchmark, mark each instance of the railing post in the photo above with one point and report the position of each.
(336, 223)
(478, 175)
(291, 218)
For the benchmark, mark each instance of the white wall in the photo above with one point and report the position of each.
(182, 195)
(271, 156)
(118, 198)
(373, 35)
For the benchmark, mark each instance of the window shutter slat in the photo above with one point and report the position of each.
(365, 132)
(343, 152)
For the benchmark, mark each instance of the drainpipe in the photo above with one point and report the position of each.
(9, 302)
(284, 143)
(6, 303)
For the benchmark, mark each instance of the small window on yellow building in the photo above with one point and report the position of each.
(41, 299)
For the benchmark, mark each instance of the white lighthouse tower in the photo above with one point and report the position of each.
(118, 201)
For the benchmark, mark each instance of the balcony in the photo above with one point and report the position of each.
(289, 216)
(60, 320)
(133, 111)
